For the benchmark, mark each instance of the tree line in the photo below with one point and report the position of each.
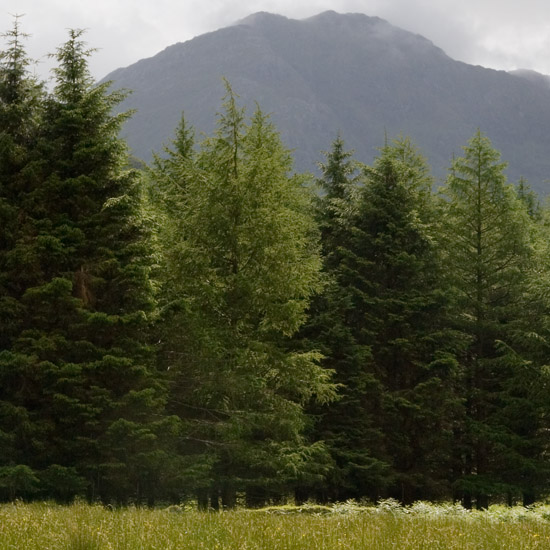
(219, 328)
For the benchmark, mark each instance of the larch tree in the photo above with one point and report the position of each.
(242, 270)
(487, 236)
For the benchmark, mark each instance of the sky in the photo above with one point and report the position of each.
(500, 34)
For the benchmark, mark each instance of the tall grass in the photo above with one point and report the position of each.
(347, 526)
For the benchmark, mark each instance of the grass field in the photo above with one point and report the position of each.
(388, 526)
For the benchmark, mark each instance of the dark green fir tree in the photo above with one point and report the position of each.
(400, 308)
(380, 326)
(78, 365)
(348, 432)
(21, 103)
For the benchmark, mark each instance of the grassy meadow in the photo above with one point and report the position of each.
(347, 526)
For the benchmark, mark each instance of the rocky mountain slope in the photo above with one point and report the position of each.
(342, 72)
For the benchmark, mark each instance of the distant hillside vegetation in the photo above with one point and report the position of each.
(350, 73)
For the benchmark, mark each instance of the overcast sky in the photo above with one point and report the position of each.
(502, 34)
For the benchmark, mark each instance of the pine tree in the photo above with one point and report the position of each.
(489, 255)
(243, 269)
(399, 311)
(527, 398)
(21, 102)
(344, 426)
(339, 184)
(530, 200)
(79, 360)
(380, 321)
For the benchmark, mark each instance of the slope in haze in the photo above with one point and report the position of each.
(341, 72)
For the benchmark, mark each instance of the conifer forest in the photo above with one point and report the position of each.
(216, 328)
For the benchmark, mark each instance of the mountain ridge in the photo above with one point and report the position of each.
(348, 73)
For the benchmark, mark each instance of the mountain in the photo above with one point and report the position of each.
(342, 72)
(533, 76)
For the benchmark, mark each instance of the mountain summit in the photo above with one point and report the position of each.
(347, 73)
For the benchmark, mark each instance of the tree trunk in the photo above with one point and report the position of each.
(202, 499)
(215, 499)
(255, 497)
(528, 498)
(229, 497)
(482, 501)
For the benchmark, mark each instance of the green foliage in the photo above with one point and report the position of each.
(390, 349)
(344, 425)
(399, 292)
(74, 269)
(63, 483)
(367, 342)
(488, 239)
(18, 481)
(240, 263)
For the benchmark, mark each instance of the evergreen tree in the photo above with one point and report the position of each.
(21, 101)
(243, 268)
(527, 399)
(380, 321)
(399, 310)
(78, 361)
(488, 238)
(348, 432)
(530, 200)
(339, 183)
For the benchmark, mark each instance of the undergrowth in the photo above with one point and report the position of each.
(45, 526)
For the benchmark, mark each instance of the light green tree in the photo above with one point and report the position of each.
(241, 263)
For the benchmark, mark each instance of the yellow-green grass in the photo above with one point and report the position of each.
(83, 527)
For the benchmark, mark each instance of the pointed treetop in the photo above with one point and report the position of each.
(14, 63)
(72, 74)
(339, 170)
(231, 123)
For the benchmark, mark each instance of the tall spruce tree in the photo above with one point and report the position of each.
(399, 311)
(380, 321)
(347, 430)
(242, 270)
(527, 398)
(488, 238)
(79, 366)
(21, 101)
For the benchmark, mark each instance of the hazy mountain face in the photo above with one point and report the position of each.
(350, 73)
